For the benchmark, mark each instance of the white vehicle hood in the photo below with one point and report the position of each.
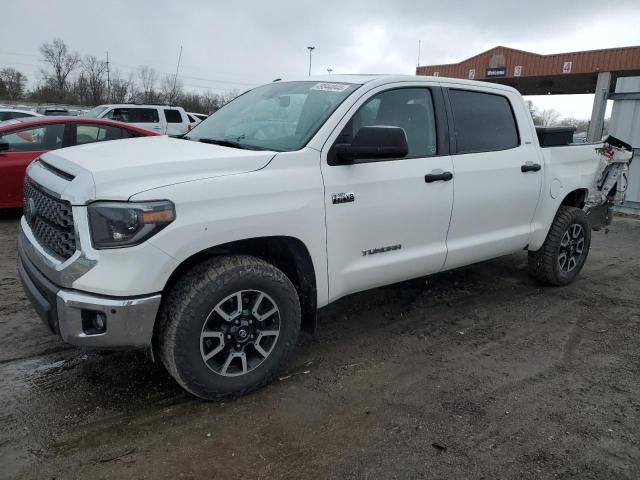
(118, 169)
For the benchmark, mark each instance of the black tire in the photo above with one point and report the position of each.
(545, 264)
(192, 301)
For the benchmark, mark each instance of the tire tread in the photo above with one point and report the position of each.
(542, 264)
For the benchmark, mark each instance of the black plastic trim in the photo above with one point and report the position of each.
(55, 170)
(41, 292)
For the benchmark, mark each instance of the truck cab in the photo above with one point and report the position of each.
(213, 250)
(163, 119)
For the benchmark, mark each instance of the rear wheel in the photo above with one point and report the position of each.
(565, 249)
(228, 326)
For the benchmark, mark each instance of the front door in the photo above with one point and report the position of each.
(386, 221)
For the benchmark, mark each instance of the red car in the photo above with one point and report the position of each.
(25, 139)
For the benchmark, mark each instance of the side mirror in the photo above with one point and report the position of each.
(4, 145)
(374, 142)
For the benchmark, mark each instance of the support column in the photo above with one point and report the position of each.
(596, 125)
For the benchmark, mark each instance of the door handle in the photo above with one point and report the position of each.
(438, 176)
(530, 167)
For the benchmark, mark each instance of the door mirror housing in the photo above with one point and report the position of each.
(374, 142)
(4, 145)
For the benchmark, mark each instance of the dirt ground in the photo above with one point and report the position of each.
(479, 373)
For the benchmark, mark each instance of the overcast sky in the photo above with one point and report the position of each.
(237, 44)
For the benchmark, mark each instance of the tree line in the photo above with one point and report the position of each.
(71, 79)
(551, 118)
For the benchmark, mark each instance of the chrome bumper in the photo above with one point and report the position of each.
(86, 319)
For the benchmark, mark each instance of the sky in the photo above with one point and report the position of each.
(240, 44)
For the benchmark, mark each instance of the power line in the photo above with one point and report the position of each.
(134, 69)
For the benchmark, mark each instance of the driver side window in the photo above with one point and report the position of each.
(408, 108)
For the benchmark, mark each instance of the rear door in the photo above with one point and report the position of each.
(24, 146)
(177, 122)
(497, 175)
(384, 222)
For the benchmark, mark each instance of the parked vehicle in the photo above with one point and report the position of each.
(216, 249)
(10, 114)
(55, 111)
(163, 119)
(196, 118)
(25, 139)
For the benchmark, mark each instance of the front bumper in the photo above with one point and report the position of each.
(86, 319)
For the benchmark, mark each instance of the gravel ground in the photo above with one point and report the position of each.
(475, 373)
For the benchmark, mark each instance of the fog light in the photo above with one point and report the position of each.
(99, 321)
(93, 322)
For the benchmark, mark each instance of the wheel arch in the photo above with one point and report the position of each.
(289, 254)
(575, 198)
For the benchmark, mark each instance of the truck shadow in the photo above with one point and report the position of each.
(57, 391)
(10, 214)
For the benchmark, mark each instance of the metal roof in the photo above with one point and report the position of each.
(532, 73)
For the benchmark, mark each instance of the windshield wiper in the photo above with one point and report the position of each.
(228, 143)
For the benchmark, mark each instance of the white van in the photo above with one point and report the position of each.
(164, 119)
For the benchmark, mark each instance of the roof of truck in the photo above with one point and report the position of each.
(381, 79)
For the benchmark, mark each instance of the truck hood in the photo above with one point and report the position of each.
(118, 169)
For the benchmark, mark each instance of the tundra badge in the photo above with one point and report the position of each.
(373, 251)
(343, 197)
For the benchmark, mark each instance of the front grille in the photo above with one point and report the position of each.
(50, 219)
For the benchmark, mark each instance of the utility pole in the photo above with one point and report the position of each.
(419, 45)
(108, 81)
(311, 49)
(175, 78)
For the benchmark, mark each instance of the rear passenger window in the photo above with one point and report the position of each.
(96, 133)
(483, 122)
(173, 116)
(134, 115)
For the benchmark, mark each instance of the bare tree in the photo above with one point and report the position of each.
(226, 97)
(148, 78)
(79, 90)
(12, 84)
(94, 71)
(171, 89)
(122, 89)
(62, 63)
(549, 117)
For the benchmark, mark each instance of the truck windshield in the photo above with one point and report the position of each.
(281, 116)
(95, 112)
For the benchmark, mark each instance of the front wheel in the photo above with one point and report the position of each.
(228, 325)
(565, 250)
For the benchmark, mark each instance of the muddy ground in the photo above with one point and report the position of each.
(476, 373)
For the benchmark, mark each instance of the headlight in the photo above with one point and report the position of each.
(124, 224)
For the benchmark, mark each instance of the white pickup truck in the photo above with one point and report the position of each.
(214, 250)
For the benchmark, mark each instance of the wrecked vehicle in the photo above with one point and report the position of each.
(214, 250)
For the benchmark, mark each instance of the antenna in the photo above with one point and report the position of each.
(311, 49)
(175, 78)
(419, 45)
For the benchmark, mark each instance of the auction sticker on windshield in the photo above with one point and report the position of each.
(330, 87)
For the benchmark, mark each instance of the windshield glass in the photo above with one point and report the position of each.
(278, 116)
(95, 113)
